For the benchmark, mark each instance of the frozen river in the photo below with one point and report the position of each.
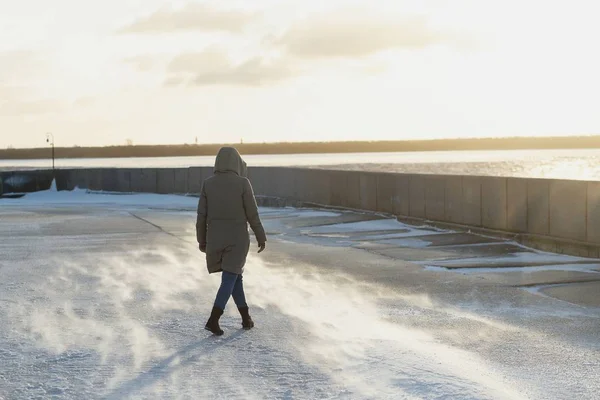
(105, 297)
(564, 164)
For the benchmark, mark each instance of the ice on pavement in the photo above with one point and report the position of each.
(315, 214)
(522, 257)
(83, 196)
(591, 268)
(362, 226)
(129, 325)
(379, 229)
(137, 326)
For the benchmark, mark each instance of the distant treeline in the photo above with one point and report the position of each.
(513, 143)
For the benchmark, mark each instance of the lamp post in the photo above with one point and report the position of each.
(50, 139)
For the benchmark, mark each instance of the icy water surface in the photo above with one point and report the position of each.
(564, 164)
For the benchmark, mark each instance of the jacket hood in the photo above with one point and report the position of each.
(244, 169)
(229, 160)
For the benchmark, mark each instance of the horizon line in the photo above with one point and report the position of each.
(252, 143)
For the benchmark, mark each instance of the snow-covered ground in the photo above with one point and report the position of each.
(105, 296)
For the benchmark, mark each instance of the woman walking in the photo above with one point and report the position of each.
(226, 206)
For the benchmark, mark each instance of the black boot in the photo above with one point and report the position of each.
(247, 322)
(213, 322)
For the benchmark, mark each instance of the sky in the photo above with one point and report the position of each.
(112, 72)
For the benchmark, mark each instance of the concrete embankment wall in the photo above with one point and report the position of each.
(554, 215)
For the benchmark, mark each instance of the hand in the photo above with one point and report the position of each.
(202, 247)
(261, 247)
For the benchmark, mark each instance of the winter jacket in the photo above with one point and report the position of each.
(226, 206)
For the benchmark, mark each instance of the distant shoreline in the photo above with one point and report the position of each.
(512, 143)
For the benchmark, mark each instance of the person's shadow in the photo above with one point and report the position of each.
(166, 367)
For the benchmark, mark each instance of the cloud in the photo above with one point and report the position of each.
(213, 67)
(19, 66)
(144, 62)
(19, 71)
(31, 107)
(209, 59)
(352, 33)
(191, 17)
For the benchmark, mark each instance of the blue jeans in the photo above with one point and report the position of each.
(232, 285)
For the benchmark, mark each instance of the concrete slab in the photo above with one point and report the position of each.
(593, 212)
(485, 249)
(414, 254)
(315, 187)
(508, 264)
(453, 199)
(530, 277)
(288, 183)
(471, 200)
(124, 180)
(180, 184)
(293, 183)
(94, 179)
(43, 179)
(71, 223)
(451, 252)
(353, 189)
(516, 204)
(448, 252)
(435, 198)
(568, 208)
(26, 181)
(397, 239)
(305, 187)
(416, 196)
(374, 245)
(401, 204)
(177, 223)
(79, 178)
(585, 294)
(261, 179)
(110, 180)
(494, 202)
(538, 206)
(300, 222)
(386, 190)
(542, 278)
(323, 193)
(361, 235)
(278, 217)
(144, 180)
(450, 239)
(197, 175)
(116, 180)
(338, 184)
(368, 191)
(165, 180)
(63, 178)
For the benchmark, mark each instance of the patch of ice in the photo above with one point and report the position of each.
(82, 196)
(524, 257)
(408, 242)
(361, 226)
(411, 232)
(141, 325)
(146, 200)
(317, 214)
(18, 181)
(590, 268)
